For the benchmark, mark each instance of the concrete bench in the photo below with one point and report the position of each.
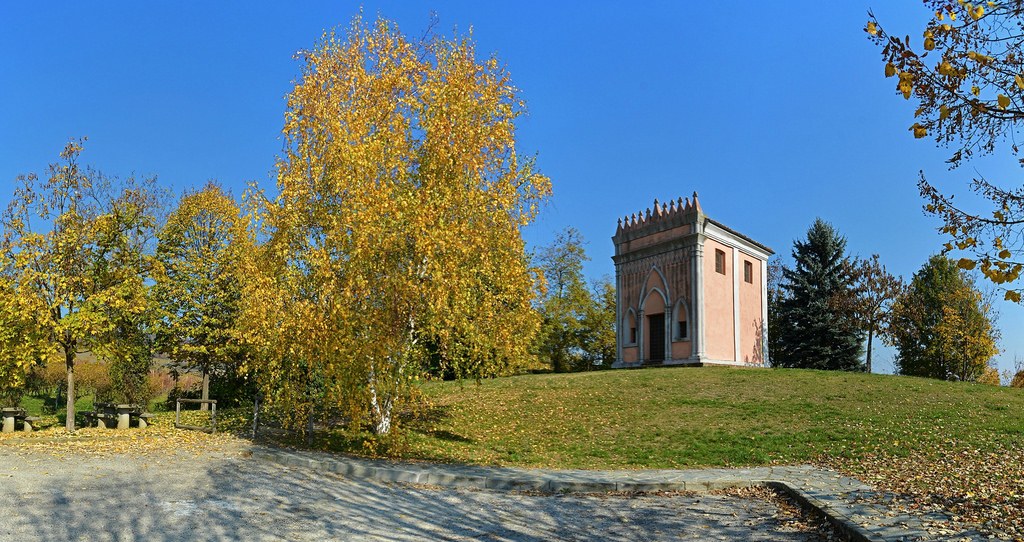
(101, 419)
(118, 416)
(28, 421)
(12, 415)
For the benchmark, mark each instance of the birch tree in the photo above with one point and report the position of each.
(396, 225)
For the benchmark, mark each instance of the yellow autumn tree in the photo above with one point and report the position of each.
(965, 73)
(22, 343)
(964, 335)
(75, 245)
(942, 326)
(197, 282)
(395, 234)
(990, 377)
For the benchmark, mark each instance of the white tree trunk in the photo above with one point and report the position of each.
(382, 408)
(382, 401)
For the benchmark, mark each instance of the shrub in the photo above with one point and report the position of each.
(990, 377)
(11, 397)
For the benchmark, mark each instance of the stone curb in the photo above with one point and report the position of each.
(838, 519)
(410, 474)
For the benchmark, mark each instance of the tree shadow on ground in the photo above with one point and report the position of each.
(179, 498)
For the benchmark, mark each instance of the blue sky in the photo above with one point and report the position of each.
(773, 115)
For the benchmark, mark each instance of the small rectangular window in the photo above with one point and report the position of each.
(719, 262)
(682, 329)
(748, 272)
(632, 335)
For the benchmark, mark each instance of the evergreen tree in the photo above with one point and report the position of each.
(777, 293)
(814, 335)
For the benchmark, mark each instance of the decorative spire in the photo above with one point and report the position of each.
(657, 208)
(696, 205)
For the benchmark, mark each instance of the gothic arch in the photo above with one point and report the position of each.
(649, 293)
(647, 289)
(681, 321)
(629, 323)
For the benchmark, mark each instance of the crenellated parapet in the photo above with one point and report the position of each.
(664, 216)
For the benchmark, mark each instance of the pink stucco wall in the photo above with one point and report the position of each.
(718, 304)
(750, 312)
(681, 350)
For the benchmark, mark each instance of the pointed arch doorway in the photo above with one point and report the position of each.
(656, 323)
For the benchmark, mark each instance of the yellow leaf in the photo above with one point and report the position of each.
(1005, 254)
(906, 84)
(929, 44)
(1012, 296)
(919, 131)
(890, 70)
(975, 90)
(943, 112)
(872, 29)
(966, 263)
(1020, 81)
(1004, 101)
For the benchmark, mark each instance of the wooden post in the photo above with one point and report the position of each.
(213, 415)
(309, 431)
(256, 417)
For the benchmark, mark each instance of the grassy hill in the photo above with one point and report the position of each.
(712, 416)
(954, 446)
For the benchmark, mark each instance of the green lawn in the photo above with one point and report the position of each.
(712, 416)
(958, 447)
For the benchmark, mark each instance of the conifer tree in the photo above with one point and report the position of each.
(814, 335)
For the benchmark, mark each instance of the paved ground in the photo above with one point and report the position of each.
(258, 493)
(856, 509)
(228, 496)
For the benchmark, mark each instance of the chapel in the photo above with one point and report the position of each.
(689, 290)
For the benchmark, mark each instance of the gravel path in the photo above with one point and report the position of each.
(229, 496)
